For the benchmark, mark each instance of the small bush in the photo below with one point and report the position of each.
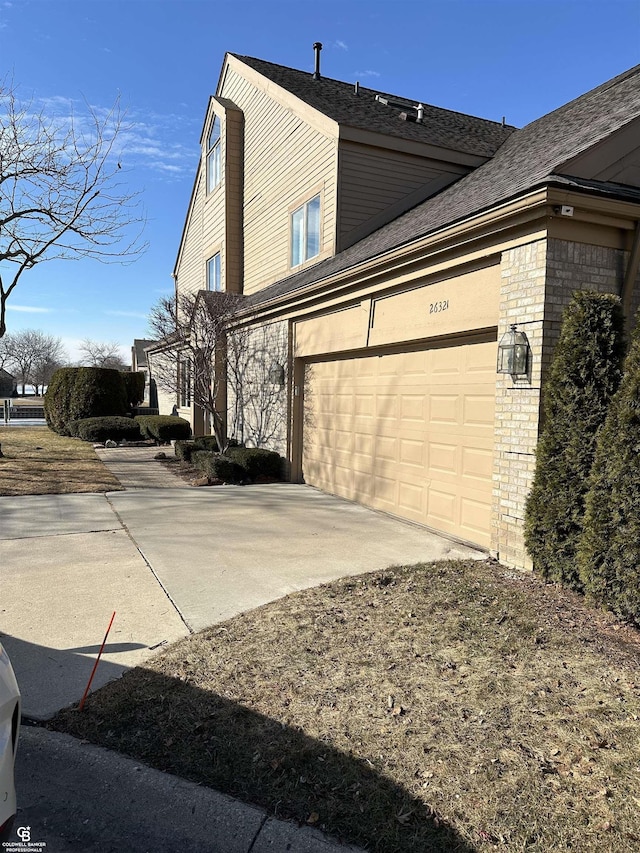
(584, 375)
(609, 552)
(107, 429)
(76, 393)
(207, 442)
(184, 449)
(217, 466)
(72, 428)
(163, 427)
(257, 462)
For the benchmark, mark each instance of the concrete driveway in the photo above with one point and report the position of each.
(223, 550)
(170, 561)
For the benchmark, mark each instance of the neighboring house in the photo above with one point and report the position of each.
(386, 246)
(7, 383)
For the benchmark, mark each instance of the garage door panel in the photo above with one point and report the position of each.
(409, 433)
(477, 463)
(478, 410)
(443, 408)
(413, 452)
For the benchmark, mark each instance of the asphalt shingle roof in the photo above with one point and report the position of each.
(530, 157)
(338, 101)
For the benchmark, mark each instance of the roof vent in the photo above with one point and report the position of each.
(420, 110)
(317, 48)
(357, 87)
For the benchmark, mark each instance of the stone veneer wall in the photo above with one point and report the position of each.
(538, 280)
(259, 415)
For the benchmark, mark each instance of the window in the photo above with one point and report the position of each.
(213, 156)
(305, 232)
(214, 282)
(184, 382)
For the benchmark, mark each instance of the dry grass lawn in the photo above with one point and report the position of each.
(37, 461)
(441, 707)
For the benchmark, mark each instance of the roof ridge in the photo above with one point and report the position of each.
(374, 92)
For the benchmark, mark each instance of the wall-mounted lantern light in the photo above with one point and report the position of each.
(276, 375)
(513, 353)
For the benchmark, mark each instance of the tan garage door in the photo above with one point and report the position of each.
(409, 433)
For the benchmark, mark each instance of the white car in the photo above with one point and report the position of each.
(9, 727)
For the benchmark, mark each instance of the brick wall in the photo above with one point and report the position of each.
(538, 280)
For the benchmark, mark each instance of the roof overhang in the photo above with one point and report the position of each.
(531, 211)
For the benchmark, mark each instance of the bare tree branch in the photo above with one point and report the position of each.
(61, 192)
(101, 354)
(205, 357)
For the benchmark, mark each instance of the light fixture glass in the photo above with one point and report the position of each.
(276, 375)
(513, 353)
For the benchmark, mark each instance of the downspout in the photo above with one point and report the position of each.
(630, 276)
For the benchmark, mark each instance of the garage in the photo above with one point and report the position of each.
(410, 433)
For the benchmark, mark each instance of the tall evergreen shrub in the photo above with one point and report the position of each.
(609, 553)
(83, 392)
(134, 386)
(584, 375)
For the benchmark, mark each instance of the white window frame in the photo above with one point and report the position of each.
(306, 254)
(214, 273)
(214, 170)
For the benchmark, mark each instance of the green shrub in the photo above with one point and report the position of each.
(207, 442)
(584, 375)
(257, 462)
(184, 449)
(107, 428)
(72, 428)
(83, 392)
(133, 387)
(217, 466)
(163, 427)
(609, 553)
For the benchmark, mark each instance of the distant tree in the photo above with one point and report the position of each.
(61, 192)
(102, 354)
(33, 356)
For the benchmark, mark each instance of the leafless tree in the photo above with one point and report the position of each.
(61, 191)
(191, 362)
(33, 356)
(102, 354)
(233, 373)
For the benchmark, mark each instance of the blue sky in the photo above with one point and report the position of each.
(513, 58)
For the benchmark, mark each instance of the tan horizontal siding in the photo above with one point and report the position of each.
(371, 179)
(286, 163)
(189, 269)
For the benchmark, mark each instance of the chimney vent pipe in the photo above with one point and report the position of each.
(317, 47)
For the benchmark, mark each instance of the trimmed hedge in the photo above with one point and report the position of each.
(257, 462)
(133, 387)
(83, 392)
(217, 466)
(163, 427)
(584, 375)
(609, 553)
(108, 428)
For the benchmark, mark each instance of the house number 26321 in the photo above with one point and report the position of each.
(436, 307)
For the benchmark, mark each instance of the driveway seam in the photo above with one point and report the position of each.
(149, 566)
(259, 830)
